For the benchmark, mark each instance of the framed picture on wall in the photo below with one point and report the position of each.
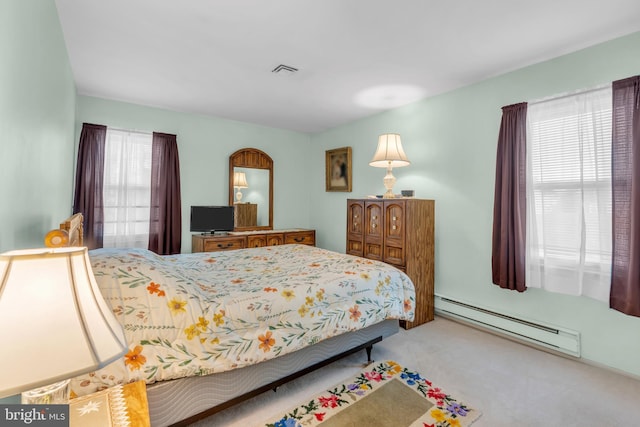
(338, 169)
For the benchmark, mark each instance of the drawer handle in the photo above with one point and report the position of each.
(374, 225)
(228, 245)
(299, 239)
(394, 227)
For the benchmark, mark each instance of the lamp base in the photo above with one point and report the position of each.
(238, 196)
(389, 181)
(57, 393)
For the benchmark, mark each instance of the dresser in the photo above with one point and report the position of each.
(399, 232)
(251, 239)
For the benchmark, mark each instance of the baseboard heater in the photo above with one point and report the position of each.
(552, 337)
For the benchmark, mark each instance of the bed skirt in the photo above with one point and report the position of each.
(177, 400)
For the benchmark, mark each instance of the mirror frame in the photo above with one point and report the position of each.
(254, 159)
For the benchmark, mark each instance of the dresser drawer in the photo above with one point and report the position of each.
(274, 239)
(224, 244)
(256, 241)
(307, 237)
(355, 247)
(394, 255)
(260, 240)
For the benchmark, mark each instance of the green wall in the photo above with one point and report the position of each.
(37, 109)
(451, 142)
(37, 115)
(204, 145)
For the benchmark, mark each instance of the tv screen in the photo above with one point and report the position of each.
(209, 219)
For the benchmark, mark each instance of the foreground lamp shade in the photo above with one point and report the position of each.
(239, 181)
(389, 154)
(54, 322)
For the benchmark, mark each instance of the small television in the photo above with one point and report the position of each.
(210, 219)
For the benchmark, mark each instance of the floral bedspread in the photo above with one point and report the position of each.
(197, 314)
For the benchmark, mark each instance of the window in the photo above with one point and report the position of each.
(569, 194)
(127, 188)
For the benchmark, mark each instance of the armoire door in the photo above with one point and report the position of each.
(394, 233)
(355, 225)
(373, 230)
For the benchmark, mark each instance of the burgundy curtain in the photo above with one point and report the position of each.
(165, 228)
(625, 177)
(89, 182)
(509, 204)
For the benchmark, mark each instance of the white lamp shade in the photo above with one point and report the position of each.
(389, 152)
(54, 322)
(240, 180)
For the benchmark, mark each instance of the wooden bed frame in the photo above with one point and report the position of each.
(183, 401)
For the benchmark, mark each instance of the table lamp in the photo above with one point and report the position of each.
(54, 323)
(239, 181)
(388, 155)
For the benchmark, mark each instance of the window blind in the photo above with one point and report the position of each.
(569, 194)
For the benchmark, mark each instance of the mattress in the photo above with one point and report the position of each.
(206, 313)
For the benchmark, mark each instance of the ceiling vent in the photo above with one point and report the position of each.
(284, 69)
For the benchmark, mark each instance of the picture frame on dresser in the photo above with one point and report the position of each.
(338, 169)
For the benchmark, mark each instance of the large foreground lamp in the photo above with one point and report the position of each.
(239, 181)
(388, 155)
(54, 323)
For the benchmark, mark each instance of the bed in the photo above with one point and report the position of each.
(207, 330)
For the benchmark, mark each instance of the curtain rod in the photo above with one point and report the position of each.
(569, 94)
(129, 130)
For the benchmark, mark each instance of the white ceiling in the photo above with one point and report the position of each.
(355, 57)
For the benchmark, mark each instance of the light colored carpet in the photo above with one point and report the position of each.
(511, 384)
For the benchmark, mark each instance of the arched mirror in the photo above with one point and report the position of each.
(251, 189)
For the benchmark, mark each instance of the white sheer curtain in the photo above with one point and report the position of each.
(569, 194)
(127, 189)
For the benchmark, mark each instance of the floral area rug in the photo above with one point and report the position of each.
(384, 394)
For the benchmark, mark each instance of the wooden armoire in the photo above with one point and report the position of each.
(399, 232)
